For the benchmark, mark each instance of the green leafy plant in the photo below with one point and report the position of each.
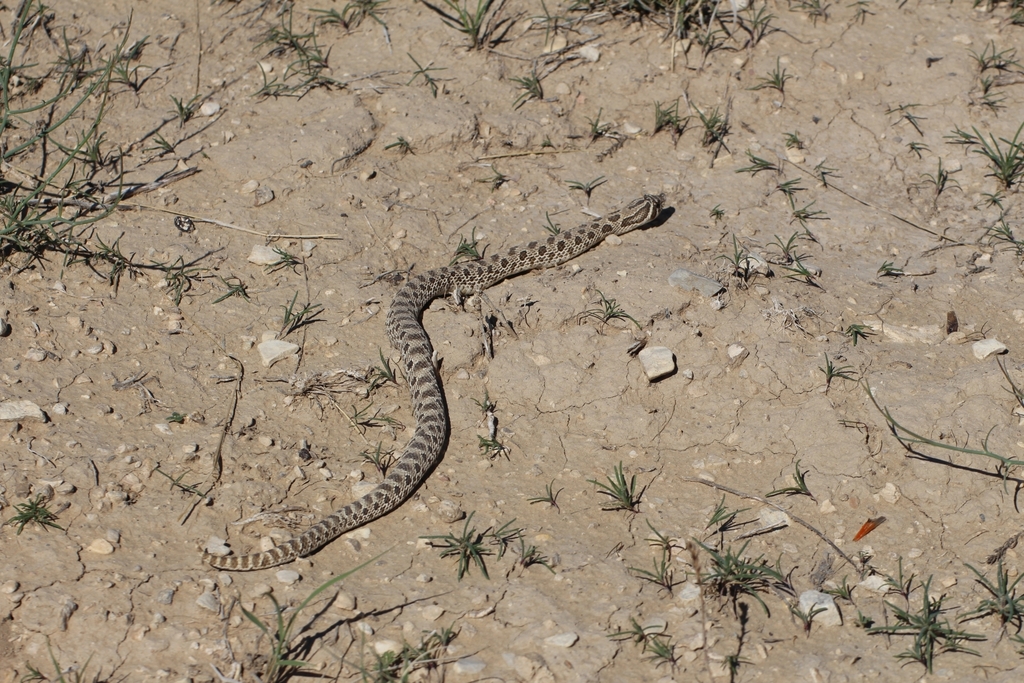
(424, 71)
(34, 511)
(832, 371)
(293, 320)
(667, 118)
(550, 497)
(467, 249)
(857, 331)
(731, 575)
(586, 188)
(799, 487)
(776, 79)
(481, 25)
(468, 547)
(279, 665)
(757, 165)
(932, 634)
(532, 90)
(610, 310)
(624, 494)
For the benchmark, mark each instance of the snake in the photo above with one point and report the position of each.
(405, 331)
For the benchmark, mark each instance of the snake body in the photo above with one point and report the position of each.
(407, 336)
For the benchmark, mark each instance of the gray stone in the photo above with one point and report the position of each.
(274, 350)
(567, 639)
(261, 254)
(288, 576)
(987, 347)
(825, 604)
(209, 601)
(657, 362)
(470, 665)
(688, 280)
(13, 411)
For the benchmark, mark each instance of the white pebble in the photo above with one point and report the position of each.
(100, 546)
(260, 589)
(216, 546)
(208, 601)
(736, 352)
(209, 108)
(248, 188)
(162, 428)
(432, 612)
(657, 362)
(345, 601)
(382, 646)
(59, 408)
(815, 600)
(15, 411)
(274, 350)
(987, 347)
(9, 587)
(287, 576)
(567, 639)
(590, 53)
(263, 255)
(38, 355)
(469, 665)
(890, 493)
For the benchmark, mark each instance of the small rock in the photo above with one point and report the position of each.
(875, 584)
(217, 546)
(38, 355)
(816, 600)
(688, 593)
(657, 362)
(590, 53)
(771, 518)
(567, 639)
(346, 602)
(265, 441)
(755, 263)
(14, 411)
(361, 488)
(987, 347)
(261, 589)
(9, 587)
(209, 108)
(631, 128)
(59, 408)
(688, 280)
(95, 349)
(5, 328)
(274, 350)
(100, 546)
(209, 601)
(287, 576)
(432, 612)
(264, 195)
(263, 255)
(795, 155)
(736, 353)
(450, 512)
(162, 428)
(826, 507)
(113, 535)
(469, 665)
(165, 597)
(383, 646)
(890, 493)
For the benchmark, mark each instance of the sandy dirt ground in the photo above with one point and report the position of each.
(867, 244)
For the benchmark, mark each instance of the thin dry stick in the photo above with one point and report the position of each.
(525, 154)
(878, 208)
(765, 501)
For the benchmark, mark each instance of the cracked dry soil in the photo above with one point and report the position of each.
(120, 592)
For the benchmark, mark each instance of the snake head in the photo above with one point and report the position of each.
(638, 212)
